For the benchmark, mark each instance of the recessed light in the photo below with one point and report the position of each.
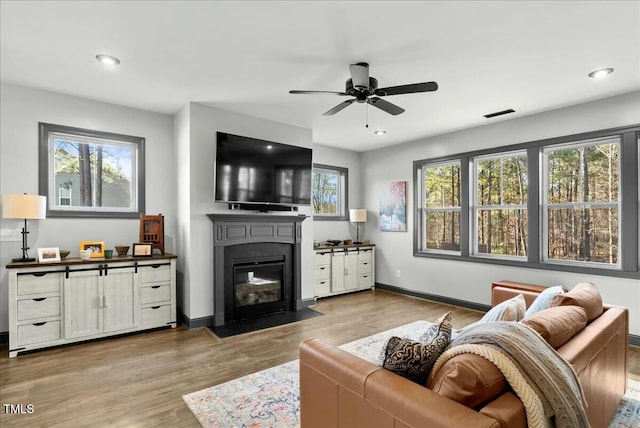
(599, 74)
(380, 132)
(108, 59)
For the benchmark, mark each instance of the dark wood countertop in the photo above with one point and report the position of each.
(77, 261)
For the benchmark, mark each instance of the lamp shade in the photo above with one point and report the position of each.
(358, 215)
(25, 206)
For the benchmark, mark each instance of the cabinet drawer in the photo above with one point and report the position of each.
(156, 314)
(364, 267)
(365, 255)
(36, 284)
(322, 258)
(322, 272)
(156, 293)
(42, 307)
(365, 281)
(39, 332)
(155, 274)
(322, 287)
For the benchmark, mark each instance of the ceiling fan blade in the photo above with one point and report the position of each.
(407, 89)
(385, 106)
(360, 75)
(338, 108)
(318, 92)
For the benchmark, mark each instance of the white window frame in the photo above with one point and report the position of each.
(342, 213)
(544, 204)
(476, 208)
(424, 210)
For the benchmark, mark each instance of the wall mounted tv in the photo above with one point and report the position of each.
(261, 175)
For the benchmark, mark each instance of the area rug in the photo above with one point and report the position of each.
(270, 398)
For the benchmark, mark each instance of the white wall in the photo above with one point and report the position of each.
(21, 109)
(467, 280)
(204, 122)
(323, 230)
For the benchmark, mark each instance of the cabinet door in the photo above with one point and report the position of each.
(121, 303)
(351, 270)
(83, 304)
(337, 272)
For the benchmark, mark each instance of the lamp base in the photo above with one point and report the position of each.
(23, 260)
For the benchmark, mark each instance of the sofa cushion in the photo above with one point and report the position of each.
(509, 310)
(558, 324)
(468, 379)
(414, 360)
(543, 300)
(585, 295)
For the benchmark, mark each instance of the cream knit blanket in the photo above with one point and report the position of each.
(545, 383)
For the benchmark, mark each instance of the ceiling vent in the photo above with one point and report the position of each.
(499, 113)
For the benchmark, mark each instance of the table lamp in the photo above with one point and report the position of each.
(27, 207)
(357, 216)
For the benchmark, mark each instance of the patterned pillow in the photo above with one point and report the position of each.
(441, 326)
(543, 300)
(414, 360)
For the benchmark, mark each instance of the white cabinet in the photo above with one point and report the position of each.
(343, 269)
(53, 304)
(102, 300)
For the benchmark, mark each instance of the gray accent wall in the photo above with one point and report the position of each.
(470, 281)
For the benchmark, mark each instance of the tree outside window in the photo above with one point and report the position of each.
(90, 173)
(582, 202)
(441, 209)
(329, 192)
(501, 204)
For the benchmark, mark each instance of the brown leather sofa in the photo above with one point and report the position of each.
(339, 389)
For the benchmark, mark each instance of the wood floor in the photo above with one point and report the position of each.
(139, 380)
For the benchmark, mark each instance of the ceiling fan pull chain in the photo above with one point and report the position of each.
(366, 114)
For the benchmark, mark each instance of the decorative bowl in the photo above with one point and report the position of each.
(64, 253)
(347, 241)
(333, 241)
(122, 250)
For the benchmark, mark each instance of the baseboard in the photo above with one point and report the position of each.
(435, 297)
(192, 324)
(634, 339)
(4, 338)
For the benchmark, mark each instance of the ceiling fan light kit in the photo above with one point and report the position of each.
(364, 89)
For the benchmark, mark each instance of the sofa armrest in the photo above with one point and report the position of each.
(340, 389)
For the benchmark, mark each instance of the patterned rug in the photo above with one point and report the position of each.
(270, 398)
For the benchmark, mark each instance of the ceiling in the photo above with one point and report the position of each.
(244, 57)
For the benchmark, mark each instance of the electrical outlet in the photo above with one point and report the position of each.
(397, 274)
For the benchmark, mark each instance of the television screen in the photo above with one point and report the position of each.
(252, 171)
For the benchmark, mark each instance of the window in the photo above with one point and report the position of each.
(91, 174)
(329, 192)
(500, 204)
(581, 202)
(441, 206)
(566, 203)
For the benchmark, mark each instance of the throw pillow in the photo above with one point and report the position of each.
(585, 295)
(468, 379)
(543, 300)
(413, 360)
(441, 326)
(558, 324)
(509, 310)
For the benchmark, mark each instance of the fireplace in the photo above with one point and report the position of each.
(257, 259)
(258, 279)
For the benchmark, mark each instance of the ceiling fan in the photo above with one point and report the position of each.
(364, 89)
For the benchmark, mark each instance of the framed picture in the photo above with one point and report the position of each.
(142, 250)
(96, 248)
(46, 255)
(393, 207)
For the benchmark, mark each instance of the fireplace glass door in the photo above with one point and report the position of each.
(258, 289)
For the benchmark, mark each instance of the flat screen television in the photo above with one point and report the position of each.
(261, 175)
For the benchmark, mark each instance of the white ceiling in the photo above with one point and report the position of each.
(245, 56)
